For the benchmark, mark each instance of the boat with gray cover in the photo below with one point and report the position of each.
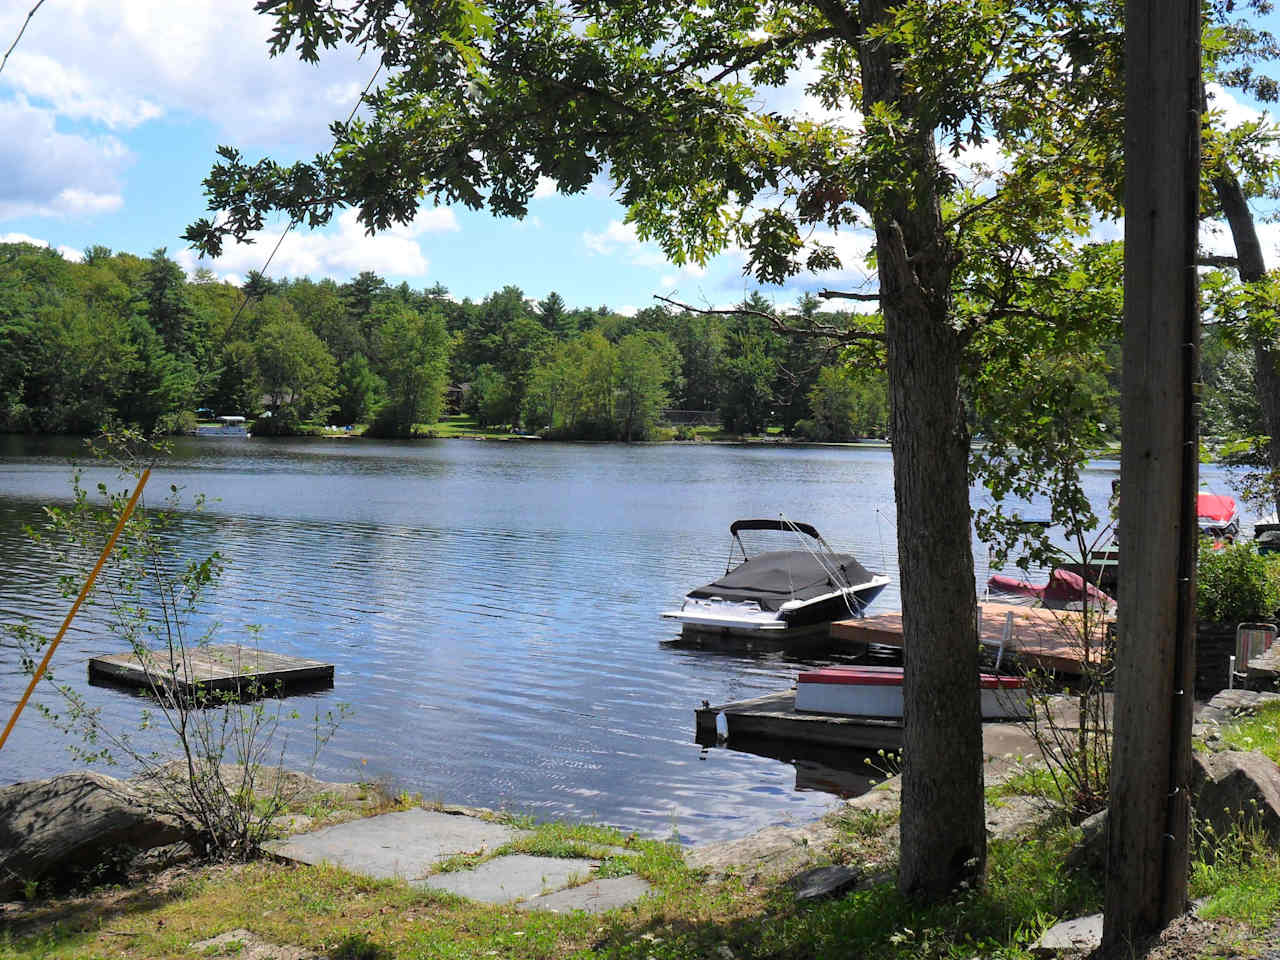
(779, 592)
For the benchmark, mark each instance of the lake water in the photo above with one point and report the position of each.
(491, 608)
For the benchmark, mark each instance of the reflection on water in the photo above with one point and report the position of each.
(491, 609)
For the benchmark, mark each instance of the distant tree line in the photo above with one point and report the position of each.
(118, 338)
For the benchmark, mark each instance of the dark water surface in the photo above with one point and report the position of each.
(491, 609)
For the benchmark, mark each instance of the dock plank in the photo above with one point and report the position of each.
(210, 667)
(1048, 639)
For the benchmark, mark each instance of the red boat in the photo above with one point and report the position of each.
(1063, 591)
(1217, 515)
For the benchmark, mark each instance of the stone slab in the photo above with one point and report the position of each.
(514, 877)
(594, 897)
(1082, 935)
(404, 844)
(822, 882)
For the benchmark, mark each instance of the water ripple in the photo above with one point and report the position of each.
(491, 610)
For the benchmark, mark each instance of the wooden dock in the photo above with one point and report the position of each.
(1044, 639)
(774, 717)
(220, 667)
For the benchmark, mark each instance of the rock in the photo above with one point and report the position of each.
(1082, 935)
(291, 823)
(294, 788)
(517, 876)
(1235, 785)
(595, 896)
(407, 843)
(70, 822)
(822, 882)
(772, 853)
(247, 945)
(1017, 815)
(884, 797)
(161, 858)
(1224, 707)
(1091, 850)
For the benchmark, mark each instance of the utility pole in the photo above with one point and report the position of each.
(1149, 819)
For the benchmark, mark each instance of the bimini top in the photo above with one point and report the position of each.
(771, 579)
(1215, 508)
(785, 526)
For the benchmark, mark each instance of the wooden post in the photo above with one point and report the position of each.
(1149, 818)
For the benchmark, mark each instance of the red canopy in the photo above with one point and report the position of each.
(1215, 506)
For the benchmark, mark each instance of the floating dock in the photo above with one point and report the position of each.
(213, 667)
(774, 717)
(750, 723)
(1042, 639)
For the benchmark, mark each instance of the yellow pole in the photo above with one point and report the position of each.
(84, 592)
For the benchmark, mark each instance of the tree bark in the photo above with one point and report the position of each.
(1266, 352)
(942, 826)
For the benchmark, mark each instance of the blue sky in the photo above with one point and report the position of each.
(110, 111)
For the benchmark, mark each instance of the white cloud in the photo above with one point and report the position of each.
(342, 251)
(121, 63)
(1215, 238)
(77, 201)
(546, 188)
(851, 246)
(620, 239)
(794, 98)
(23, 238)
(975, 165)
(44, 172)
(74, 94)
(1233, 111)
(67, 253)
(627, 311)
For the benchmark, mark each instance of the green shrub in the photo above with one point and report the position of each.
(1236, 584)
(807, 430)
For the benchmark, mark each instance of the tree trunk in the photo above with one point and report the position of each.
(1266, 353)
(1150, 818)
(942, 826)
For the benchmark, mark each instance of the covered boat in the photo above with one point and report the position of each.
(781, 592)
(1065, 590)
(1217, 515)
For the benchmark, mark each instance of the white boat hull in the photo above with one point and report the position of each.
(877, 692)
(746, 617)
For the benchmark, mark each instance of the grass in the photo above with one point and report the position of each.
(1238, 873)
(460, 425)
(1029, 781)
(328, 910)
(1259, 731)
(463, 426)
(341, 915)
(619, 854)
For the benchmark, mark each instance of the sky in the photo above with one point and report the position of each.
(111, 112)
